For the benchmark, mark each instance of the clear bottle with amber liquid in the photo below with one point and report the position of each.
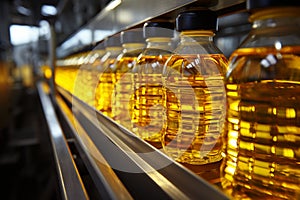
(262, 142)
(66, 72)
(106, 80)
(133, 44)
(93, 66)
(83, 78)
(147, 103)
(194, 92)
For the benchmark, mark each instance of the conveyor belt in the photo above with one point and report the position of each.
(143, 170)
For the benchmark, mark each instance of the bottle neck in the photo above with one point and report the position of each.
(275, 17)
(132, 46)
(163, 43)
(196, 36)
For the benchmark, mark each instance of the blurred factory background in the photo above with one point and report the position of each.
(27, 167)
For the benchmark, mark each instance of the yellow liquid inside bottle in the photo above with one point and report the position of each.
(262, 140)
(147, 109)
(194, 96)
(104, 90)
(82, 87)
(82, 80)
(123, 91)
(65, 77)
(89, 86)
(95, 71)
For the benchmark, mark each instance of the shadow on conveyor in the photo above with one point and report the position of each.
(27, 168)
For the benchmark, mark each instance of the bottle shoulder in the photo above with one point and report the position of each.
(196, 64)
(151, 62)
(197, 48)
(264, 63)
(268, 35)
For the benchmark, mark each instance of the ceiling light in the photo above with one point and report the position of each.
(23, 10)
(49, 10)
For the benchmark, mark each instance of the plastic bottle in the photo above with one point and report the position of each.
(105, 86)
(262, 143)
(133, 43)
(94, 66)
(66, 72)
(89, 70)
(147, 110)
(194, 92)
(83, 77)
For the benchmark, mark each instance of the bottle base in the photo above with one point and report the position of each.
(156, 144)
(191, 159)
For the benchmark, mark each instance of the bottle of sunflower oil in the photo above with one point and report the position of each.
(71, 71)
(194, 92)
(106, 81)
(262, 142)
(133, 43)
(93, 67)
(66, 72)
(147, 105)
(83, 75)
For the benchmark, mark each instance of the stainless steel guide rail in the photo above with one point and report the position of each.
(106, 181)
(70, 182)
(142, 169)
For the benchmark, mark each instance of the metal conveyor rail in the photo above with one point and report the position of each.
(69, 178)
(137, 160)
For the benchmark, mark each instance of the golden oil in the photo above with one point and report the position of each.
(133, 44)
(147, 103)
(87, 76)
(262, 140)
(94, 68)
(122, 92)
(106, 81)
(66, 73)
(103, 93)
(83, 78)
(194, 97)
(194, 92)
(106, 76)
(123, 89)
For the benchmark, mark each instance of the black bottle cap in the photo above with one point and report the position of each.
(254, 4)
(158, 29)
(197, 20)
(132, 36)
(113, 41)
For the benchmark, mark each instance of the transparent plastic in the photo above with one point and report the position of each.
(262, 143)
(66, 73)
(94, 68)
(194, 96)
(122, 93)
(106, 82)
(147, 103)
(83, 78)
